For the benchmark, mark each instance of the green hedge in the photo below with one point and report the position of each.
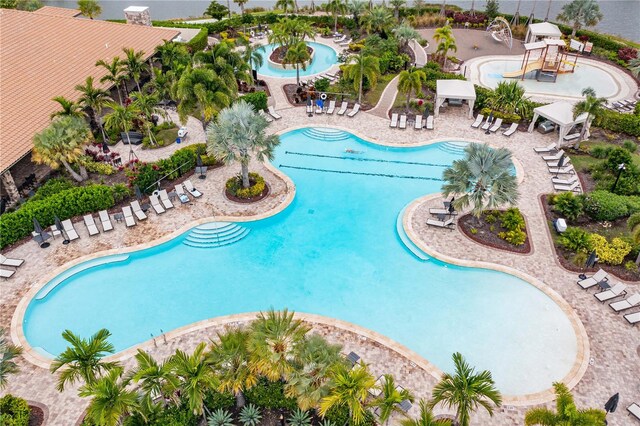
(620, 123)
(14, 411)
(66, 204)
(257, 99)
(199, 42)
(603, 205)
(508, 118)
(266, 394)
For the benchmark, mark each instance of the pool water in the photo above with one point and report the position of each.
(324, 57)
(570, 84)
(334, 251)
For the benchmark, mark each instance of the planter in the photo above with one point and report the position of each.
(275, 63)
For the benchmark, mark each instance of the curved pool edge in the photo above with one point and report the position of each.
(318, 40)
(581, 363)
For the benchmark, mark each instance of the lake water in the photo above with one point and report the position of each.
(621, 17)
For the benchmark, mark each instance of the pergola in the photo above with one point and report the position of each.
(454, 89)
(537, 32)
(560, 113)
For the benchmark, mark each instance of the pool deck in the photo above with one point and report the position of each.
(613, 362)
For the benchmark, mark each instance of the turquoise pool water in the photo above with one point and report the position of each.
(334, 251)
(323, 58)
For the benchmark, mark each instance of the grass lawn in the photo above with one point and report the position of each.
(584, 162)
(373, 95)
(167, 137)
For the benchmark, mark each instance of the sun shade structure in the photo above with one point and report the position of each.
(454, 89)
(560, 113)
(542, 30)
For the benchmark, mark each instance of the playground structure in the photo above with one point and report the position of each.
(501, 31)
(547, 58)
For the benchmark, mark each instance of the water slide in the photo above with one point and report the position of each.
(530, 67)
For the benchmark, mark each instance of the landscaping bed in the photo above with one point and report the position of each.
(37, 416)
(279, 53)
(258, 189)
(486, 230)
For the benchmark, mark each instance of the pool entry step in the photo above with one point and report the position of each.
(453, 147)
(215, 234)
(325, 134)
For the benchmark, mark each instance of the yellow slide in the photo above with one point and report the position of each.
(530, 67)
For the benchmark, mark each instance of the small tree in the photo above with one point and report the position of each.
(426, 417)
(410, 81)
(593, 107)
(566, 414)
(111, 401)
(298, 55)
(390, 399)
(492, 9)
(7, 354)
(216, 10)
(580, 13)
(336, 7)
(362, 66)
(89, 8)
(405, 33)
(397, 4)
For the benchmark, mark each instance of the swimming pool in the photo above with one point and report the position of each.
(324, 57)
(333, 251)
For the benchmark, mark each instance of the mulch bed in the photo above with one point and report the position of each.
(278, 54)
(235, 199)
(37, 416)
(489, 238)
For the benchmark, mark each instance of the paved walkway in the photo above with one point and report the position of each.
(419, 52)
(387, 99)
(467, 39)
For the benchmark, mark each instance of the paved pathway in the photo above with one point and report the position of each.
(387, 99)
(466, 39)
(419, 52)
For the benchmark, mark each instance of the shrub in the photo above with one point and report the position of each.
(516, 237)
(322, 85)
(619, 123)
(633, 221)
(220, 417)
(270, 395)
(199, 42)
(300, 418)
(616, 157)
(215, 400)
(630, 146)
(576, 240)
(568, 205)
(257, 99)
(234, 186)
(100, 168)
(507, 118)
(627, 53)
(579, 259)
(512, 220)
(612, 253)
(339, 415)
(168, 416)
(631, 266)
(250, 415)
(600, 151)
(14, 411)
(144, 176)
(51, 187)
(603, 205)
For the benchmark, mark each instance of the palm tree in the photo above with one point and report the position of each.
(426, 417)
(69, 108)
(509, 97)
(241, 3)
(390, 399)
(155, 380)
(115, 73)
(7, 353)
(444, 47)
(174, 56)
(405, 33)
(299, 55)
(357, 8)
(89, 8)
(162, 84)
(466, 390)
(336, 7)
(275, 343)
(410, 81)
(442, 33)
(83, 359)
(580, 13)
(196, 377)
(238, 132)
(147, 106)
(397, 4)
(253, 56)
(351, 389)
(203, 90)
(362, 66)
(418, 5)
(230, 359)
(110, 400)
(593, 107)
(378, 20)
(134, 64)
(62, 143)
(93, 100)
(285, 5)
(121, 119)
(226, 62)
(567, 414)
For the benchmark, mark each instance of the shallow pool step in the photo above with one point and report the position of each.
(326, 134)
(453, 147)
(215, 234)
(406, 241)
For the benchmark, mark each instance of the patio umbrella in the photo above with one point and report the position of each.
(138, 193)
(105, 148)
(591, 261)
(560, 164)
(199, 160)
(36, 227)
(612, 403)
(451, 208)
(426, 112)
(58, 223)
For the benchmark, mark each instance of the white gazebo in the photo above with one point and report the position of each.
(454, 89)
(537, 32)
(560, 113)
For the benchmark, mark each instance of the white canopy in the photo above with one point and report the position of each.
(454, 89)
(542, 30)
(560, 113)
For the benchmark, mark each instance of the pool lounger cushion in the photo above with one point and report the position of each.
(478, 121)
(164, 198)
(70, 230)
(634, 410)
(589, 282)
(617, 290)
(6, 273)
(192, 189)
(628, 303)
(7, 261)
(106, 221)
(184, 199)
(91, 225)
(128, 216)
(548, 148)
(137, 210)
(441, 224)
(633, 318)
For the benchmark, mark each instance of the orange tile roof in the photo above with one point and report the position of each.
(57, 11)
(42, 56)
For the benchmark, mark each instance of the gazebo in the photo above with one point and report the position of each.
(454, 89)
(537, 32)
(560, 113)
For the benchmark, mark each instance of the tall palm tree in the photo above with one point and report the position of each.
(566, 414)
(174, 56)
(147, 106)
(83, 358)
(201, 89)
(285, 5)
(253, 56)
(593, 107)
(466, 390)
(357, 8)
(154, 380)
(121, 119)
(351, 389)
(241, 3)
(580, 13)
(89, 8)
(418, 5)
(196, 377)
(134, 64)
(63, 143)
(397, 4)
(378, 20)
(442, 33)
(410, 81)
(69, 108)
(362, 66)
(162, 84)
(111, 401)
(93, 100)
(336, 7)
(115, 73)
(426, 417)
(298, 55)
(405, 33)
(7, 354)
(226, 62)
(390, 399)
(230, 359)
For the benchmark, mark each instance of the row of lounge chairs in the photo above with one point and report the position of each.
(332, 107)
(493, 125)
(624, 106)
(444, 217)
(419, 122)
(341, 40)
(609, 292)
(553, 157)
(6, 263)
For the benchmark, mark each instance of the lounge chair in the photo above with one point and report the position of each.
(554, 157)
(343, 107)
(394, 120)
(633, 319)
(137, 210)
(192, 189)
(266, 117)
(405, 405)
(574, 187)
(511, 130)
(54, 231)
(273, 113)
(332, 107)
(617, 290)
(6, 273)
(555, 163)
(634, 410)
(106, 221)
(441, 224)
(90, 224)
(487, 123)
(184, 199)
(571, 137)
(570, 181)
(128, 216)
(376, 390)
(309, 109)
(403, 121)
(478, 121)
(594, 279)
(496, 125)
(340, 39)
(353, 358)
(429, 124)
(319, 109)
(544, 149)
(565, 170)
(442, 212)
(418, 123)
(164, 198)
(628, 303)
(354, 111)
(155, 203)
(7, 261)
(70, 230)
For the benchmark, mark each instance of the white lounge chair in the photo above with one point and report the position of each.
(496, 125)
(137, 210)
(354, 111)
(418, 123)
(70, 230)
(554, 157)
(91, 225)
(440, 223)
(634, 319)
(309, 109)
(429, 125)
(106, 221)
(6, 273)
(572, 137)
(7, 261)
(555, 163)
(594, 279)
(273, 113)
(184, 199)
(319, 109)
(570, 181)
(341, 39)
(266, 117)
(478, 121)
(128, 216)
(511, 130)
(487, 123)
(164, 198)
(565, 170)
(628, 303)
(343, 107)
(155, 203)
(332, 107)
(403, 121)
(548, 148)
(442, 212)
(54, 231)
(192, 189)
(394, 120)
(574, 187)
(617, 290)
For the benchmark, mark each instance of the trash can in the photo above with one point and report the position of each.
(178, 140)
(560, 225)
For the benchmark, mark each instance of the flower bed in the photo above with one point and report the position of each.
(258, 189)
(491, 230)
